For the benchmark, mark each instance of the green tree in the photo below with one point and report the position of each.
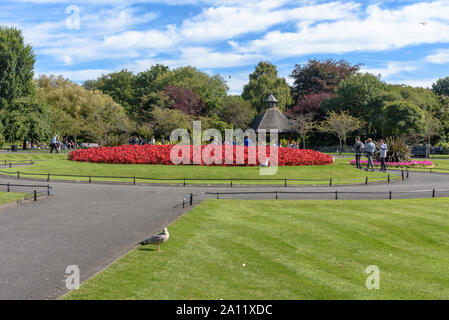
(402, 118)
(305, 125)
(211, 89)
(121, 86)
(263, 81)
(144, 81)
(441, 87)
(16, 65)
(237, 112)
(25, 118)
(340, 124)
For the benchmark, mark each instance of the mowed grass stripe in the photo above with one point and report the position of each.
(292, 250)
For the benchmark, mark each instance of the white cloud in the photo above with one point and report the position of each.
(442, 56)
(392, 68)
(376, 29)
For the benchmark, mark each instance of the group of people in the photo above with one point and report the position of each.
(369, 148)
(57, 145)
(141, 141)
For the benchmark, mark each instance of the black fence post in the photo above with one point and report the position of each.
(134, 180)
(330, 182)
(35, 195)
(366, 180)
(276, 195)
(191, 199)
(433, 193)
(184, 182)
(218, 195)
(8, 188)
(48, 190)
(231, 183)
(389, 179)
(285, 183)
(402, 175)
(10, 165)
(391, 195)
(336, 195)
(48, 177)
(430, 170)
(183, 202)
(90, 179)
(18, 174)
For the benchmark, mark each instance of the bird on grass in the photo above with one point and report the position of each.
(157, 239)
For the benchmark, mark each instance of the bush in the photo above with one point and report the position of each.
(398, 150)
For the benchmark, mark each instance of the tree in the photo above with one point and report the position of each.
(144, 81)
(185, 100)
(81, 113)
(167, 120)
(340, 124)
(363, 96)
(305, 124)
(120, 86)
(211, 89)
(310, 103)
(430, 129)
(321, 76)
(25, 118)
(263, 81)
(441, 87)
(237, 112)
(16, 65)
(402, 118)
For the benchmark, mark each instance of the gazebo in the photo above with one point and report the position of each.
(272, 118)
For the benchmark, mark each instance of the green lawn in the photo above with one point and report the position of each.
(340, 170)
(6, 197)
(292, 250)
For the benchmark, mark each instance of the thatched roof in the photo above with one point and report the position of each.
(272, 118)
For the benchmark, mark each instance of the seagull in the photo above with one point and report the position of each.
(424, 23)
(157, 239)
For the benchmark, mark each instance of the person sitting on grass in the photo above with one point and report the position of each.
(370, 148)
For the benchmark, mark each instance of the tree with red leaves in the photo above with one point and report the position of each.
(185, 100)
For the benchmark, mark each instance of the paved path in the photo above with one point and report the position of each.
(91, 225)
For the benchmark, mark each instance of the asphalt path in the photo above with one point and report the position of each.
(91, 225)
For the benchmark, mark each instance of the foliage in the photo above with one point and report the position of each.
(211, 89)
(310, 103)
(398, 150)
(340, 124)
(402, 118)
(120, 86)
(305, 124)
(237, 112)
(317, 77)
(263, 81)
(78, 112)
(164, 121)
(16, 65)
(25, 118)
(185, 100)
(441, 87)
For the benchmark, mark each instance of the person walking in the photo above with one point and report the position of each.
(53, 144)
(358, 152)
(370, 148)
(383, 149)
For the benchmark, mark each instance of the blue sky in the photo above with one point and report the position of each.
(405, 41)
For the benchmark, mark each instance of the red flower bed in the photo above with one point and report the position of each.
(160, 154)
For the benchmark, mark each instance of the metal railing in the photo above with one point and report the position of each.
(39, 190)
(189, 200)
(230, 181)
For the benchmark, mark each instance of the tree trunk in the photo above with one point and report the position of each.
(303, 141)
